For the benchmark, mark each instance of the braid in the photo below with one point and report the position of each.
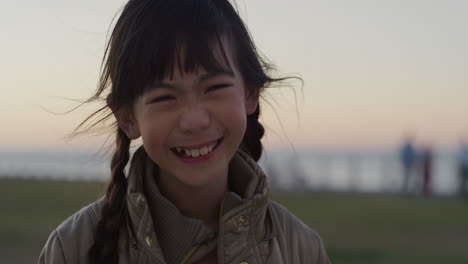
(104, 249)
(253, 135)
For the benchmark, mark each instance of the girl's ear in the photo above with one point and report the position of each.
(125, 120)
(251, 100)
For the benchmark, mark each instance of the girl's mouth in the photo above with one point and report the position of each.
(191, 154)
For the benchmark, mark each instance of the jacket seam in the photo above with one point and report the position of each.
(59, 239)
(93, 215)
(253, 231)
(278, 228)
(93, 212)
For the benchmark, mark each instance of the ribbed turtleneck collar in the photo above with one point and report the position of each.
(176, 232)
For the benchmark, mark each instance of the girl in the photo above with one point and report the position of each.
(185, 76)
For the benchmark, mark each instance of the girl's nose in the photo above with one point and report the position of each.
(194, 120)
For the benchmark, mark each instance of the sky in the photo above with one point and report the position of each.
(373, 71)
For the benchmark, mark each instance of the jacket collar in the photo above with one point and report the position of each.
(249, 178)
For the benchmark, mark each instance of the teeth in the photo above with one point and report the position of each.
(195, 153)
(188, 152)
(204, 150)
(211, 147)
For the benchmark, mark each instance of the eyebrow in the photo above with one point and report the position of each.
(202, 78)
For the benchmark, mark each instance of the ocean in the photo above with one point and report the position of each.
(341, 171)
(358, 171)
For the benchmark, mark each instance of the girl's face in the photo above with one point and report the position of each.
(193, 123)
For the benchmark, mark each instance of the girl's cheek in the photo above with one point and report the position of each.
(229, 100)
(161, 108)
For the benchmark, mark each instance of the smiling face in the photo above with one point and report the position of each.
(193, 123)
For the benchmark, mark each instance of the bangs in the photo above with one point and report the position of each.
(188, 51)
(165, 37)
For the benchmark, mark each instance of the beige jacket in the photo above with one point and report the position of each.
(252, 228)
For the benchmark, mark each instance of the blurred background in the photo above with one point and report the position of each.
(369, 151)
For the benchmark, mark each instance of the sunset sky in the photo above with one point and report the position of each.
(373, 71)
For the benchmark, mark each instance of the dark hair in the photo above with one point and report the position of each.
(145, 46)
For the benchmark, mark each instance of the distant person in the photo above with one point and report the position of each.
(184, 77)
(408, 160)
(463, 168)
(426, 170)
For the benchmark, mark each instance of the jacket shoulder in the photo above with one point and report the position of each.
(71, 240)
(297, 236)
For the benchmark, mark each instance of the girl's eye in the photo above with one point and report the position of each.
(160, 99)
(217, 87)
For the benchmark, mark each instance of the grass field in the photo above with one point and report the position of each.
(356, 228)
